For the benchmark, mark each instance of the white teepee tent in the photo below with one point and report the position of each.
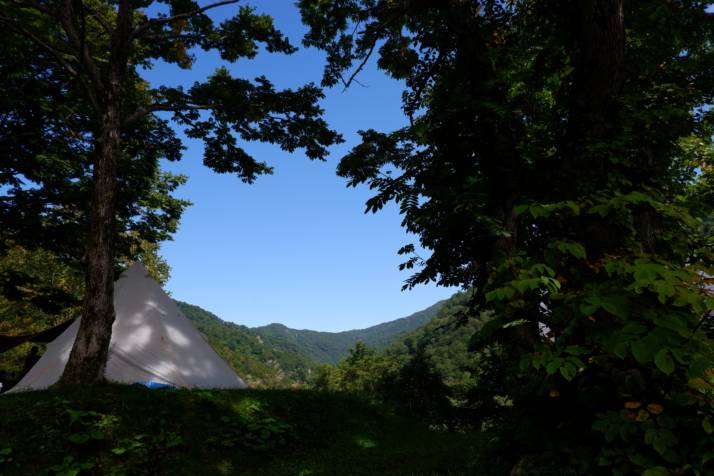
(152, 342)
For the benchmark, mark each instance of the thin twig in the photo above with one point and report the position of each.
(361, 66)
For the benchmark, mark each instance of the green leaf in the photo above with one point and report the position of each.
(576, 350)
(553, 366)
(568, 371)
(634, 328)
(640, 351)
(69, 472)
(79, 438)
(616, 305)
(699, 365)
(664, 362)
(656, 471)
(118, 451)
(707, 425)
(571, 247)
(620, 349)
(680, 355)
(520, 209)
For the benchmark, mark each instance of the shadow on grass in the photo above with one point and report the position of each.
(116, 429)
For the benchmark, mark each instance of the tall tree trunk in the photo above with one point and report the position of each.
(598, 38)
(600, 44)
(87, 360)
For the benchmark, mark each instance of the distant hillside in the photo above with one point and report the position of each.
(331, 347)
(445, 341)
(258, 363)
(439, 348)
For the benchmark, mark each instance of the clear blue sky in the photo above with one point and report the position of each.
(295, 247)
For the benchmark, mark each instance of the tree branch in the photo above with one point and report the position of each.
(85, 56)
(361, 66)
(33, 5)
(420, 85)
(377, 36)
(170, 36)
(141, 29)
(165, 107)
(99, 17)
(14, 24)
(120, 43)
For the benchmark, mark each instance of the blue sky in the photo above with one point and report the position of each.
(295, 247)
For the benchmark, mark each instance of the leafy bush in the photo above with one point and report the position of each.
(410, 386)
(253, 429)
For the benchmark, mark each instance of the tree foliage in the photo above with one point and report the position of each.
(557, 161)
(46, 163)
(410, 386)
(89, 57)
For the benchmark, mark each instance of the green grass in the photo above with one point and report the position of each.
(131, 430)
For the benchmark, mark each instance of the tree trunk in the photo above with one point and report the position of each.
(88, 358)
(600, 43)
(598, 51)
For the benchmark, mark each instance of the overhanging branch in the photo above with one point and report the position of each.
(15, 25)
(141, 29)
(163, 107)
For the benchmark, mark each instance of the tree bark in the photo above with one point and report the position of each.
(600, 45)
(88, 358)
(598, 52)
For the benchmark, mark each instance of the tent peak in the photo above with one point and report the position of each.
(136, 269)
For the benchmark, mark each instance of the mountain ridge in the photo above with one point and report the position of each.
(331, 347)
(277, 356)
(280, 324)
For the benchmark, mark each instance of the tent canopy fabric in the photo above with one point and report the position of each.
(152, 341)
(8, 342)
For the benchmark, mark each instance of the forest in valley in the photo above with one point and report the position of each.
(556, 165)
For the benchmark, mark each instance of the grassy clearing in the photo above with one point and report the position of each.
(132, 430)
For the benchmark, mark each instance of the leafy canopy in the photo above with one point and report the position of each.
(557, 161)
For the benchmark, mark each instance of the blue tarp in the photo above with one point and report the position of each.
(151, 384)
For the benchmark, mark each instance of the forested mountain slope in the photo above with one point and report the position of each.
(331, 347)
(258, 363)
(430, 360)
(444, 343)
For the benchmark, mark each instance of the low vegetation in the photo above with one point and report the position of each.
(430, 372)
(132, 430)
